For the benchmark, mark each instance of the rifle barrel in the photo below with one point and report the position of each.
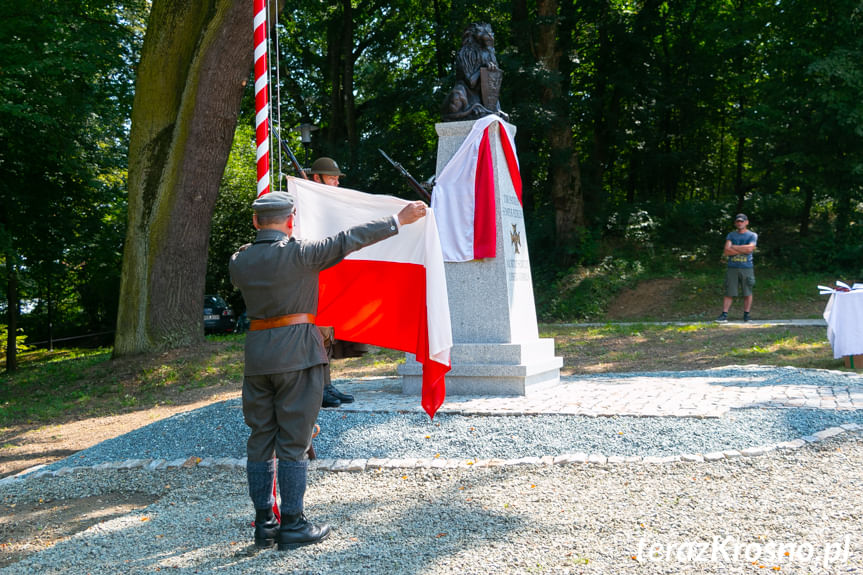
(293, 158)
(411, 180)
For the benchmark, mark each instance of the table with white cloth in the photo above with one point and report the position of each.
(844, 317)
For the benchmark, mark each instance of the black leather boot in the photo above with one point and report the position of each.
(266, 528)
(297, 531)
(343, 397)
(329, 399)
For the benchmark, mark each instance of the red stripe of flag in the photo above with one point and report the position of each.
(383, 303)
(484, 229)
(511, 163)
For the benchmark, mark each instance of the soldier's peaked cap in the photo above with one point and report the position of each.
(274, 203)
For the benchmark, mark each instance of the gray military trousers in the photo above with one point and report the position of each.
(281, 410)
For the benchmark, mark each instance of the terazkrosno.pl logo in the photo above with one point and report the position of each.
(732, 550)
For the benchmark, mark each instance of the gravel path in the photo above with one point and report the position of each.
(218, 431)
(375, 427)
(739, 515)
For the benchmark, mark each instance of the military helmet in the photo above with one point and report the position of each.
(326, 167)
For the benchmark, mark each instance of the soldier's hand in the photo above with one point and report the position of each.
(412, 212)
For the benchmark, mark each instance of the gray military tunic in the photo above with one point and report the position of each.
(284, 366)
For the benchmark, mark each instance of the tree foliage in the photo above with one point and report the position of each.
(643, 126)
(65, 96)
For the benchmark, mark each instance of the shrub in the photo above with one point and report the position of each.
(20, 341)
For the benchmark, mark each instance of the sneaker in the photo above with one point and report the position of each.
(723, 317)
(746, 316)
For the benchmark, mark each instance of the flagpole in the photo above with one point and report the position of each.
(262, 101)
(262, 123)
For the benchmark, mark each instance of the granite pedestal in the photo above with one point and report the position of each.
(496, 345)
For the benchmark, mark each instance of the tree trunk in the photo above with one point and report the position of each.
(606, 111)
(335, 131)
(348, 100)
(564, 171)
(440, 59)
(806, 212)
(843, 212)
(196, 60)
(11, 314)
(739, 189)
(525, 137)
(740, 69)
(717, 192)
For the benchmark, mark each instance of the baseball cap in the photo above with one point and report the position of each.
(741, 218)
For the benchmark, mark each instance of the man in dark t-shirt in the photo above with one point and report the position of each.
(740, 275)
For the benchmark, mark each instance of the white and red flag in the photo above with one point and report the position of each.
(463, 196)
(390, 294)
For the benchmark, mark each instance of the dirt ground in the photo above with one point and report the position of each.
(42, 445)
(26, 528)
(650, 298)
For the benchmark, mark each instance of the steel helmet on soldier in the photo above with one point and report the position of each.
(326, 167)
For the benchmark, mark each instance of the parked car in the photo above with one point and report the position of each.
(218, 316)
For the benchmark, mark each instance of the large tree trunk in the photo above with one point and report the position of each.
(195, 62)
(564, 171)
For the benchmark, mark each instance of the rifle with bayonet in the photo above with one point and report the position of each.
(293, 159)
(418, 187)
(274, 127)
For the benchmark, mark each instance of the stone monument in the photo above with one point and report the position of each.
(496, 345)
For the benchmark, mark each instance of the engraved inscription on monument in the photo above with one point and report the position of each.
(515, 250)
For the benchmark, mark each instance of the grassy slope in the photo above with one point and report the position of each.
(622, 291)
(71, 384)
(698, 297)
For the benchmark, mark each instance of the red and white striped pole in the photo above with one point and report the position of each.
(262, 122)
(262, 101)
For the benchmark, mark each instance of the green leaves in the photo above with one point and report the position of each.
(65, 95)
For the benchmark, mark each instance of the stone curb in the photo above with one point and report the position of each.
(377, 463)
(814, 322)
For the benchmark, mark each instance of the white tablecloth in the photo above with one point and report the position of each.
(844, 317)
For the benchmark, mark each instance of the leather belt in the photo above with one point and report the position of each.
(281, 321)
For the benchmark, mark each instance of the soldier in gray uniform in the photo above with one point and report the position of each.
(285, 358)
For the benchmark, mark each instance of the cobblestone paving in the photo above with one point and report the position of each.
(708, 393)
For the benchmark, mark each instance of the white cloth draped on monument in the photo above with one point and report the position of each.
(393, 293)
(463, 196)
